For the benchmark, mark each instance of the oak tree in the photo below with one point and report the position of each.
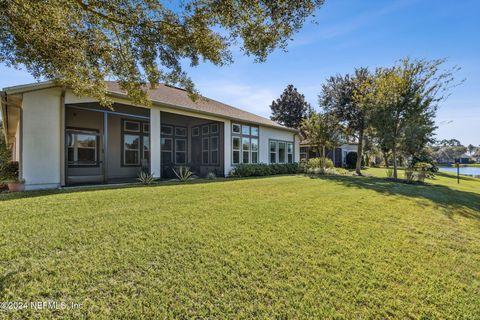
(80, 43)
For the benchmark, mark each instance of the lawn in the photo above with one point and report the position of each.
(277, 247)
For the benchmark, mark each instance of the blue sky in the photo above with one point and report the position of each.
(349, 34)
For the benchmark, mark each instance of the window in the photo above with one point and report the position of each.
(131, 149)
(209, 145)
(180, 131)
(82, 148)
(180, 151)
(195, 131)
(214, 150)
(303, 153)
(146, 147)
(205, 130)
(235, 150)
(245, 150)
(254, 145)
(205, 147)
(290, 152)
(166, 130)
(166, 147)
(132, 126)
(273, 151)
(244, 146)
(281, 151)
(136, 143)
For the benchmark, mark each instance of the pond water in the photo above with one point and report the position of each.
(467, 171)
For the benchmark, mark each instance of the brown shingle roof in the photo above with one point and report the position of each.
(179, 98)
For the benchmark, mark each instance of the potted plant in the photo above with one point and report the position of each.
(11, 177)
(15, 185)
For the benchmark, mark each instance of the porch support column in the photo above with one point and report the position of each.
(105, 147)
(155, 164)
(227, 147)
(63, 153)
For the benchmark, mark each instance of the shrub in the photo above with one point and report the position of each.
(351, 160)
(389, 173)
(317, 163)
(423, 170)
(145, 177)
(342, 171)
(10, 171)
(262, 169)
(424, 159)
(409, 175)
(211, 175)
(182, 173)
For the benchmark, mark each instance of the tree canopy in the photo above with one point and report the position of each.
(80, 43)
(323, 131)
(291, 108)
(344, 97)
(405, 99)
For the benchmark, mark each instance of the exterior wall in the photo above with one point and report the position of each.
(227, 151)
(42, 135)
(41, 145)
(266, 134)
(296, 149)
(16, 146)
(155, 145)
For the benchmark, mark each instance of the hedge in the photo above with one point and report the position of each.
(262, 169)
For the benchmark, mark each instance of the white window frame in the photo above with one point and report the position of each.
(184, 151)
(138, 123)
(277, 151)
(252, 151)
(214, 150)
(162, 150)
(195, 131)
(290, 153)
(207, 139)
(125, 149)
(184, 129)
(248, 150)
(166, 134)
(241, 135)
(239, 149)
(74, 135)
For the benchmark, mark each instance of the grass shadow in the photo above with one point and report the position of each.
(442, 196)
(88, 188)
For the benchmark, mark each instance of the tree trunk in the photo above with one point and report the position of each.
(323, 157)
(358, 166)
(394, 154)
(385, 158)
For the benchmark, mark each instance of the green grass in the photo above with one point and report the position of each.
(278, 247)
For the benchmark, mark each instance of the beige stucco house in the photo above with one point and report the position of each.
(60, 139)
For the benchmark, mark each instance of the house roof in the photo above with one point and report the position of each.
(173, 97)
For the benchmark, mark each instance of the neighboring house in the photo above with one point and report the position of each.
(464, 159)
(338, 156)
(60, 139)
